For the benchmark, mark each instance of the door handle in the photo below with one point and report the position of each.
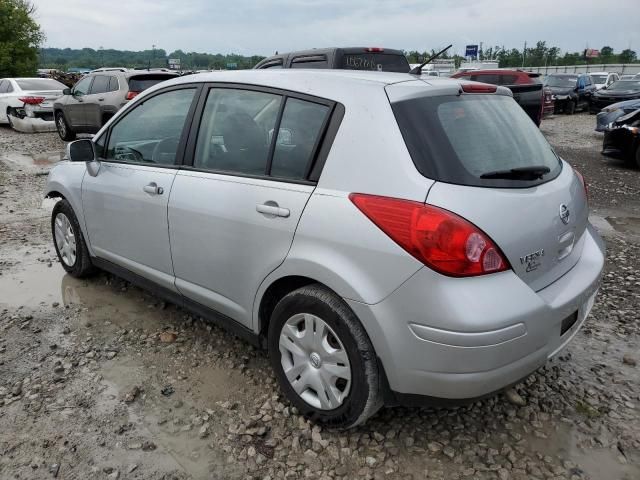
(272, 208)
(153, 189)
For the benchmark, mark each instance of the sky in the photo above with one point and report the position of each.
(257, 27)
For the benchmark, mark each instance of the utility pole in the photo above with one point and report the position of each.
(101, 48)
(524, 53)
(153, 54)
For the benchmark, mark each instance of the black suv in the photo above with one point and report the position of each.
(353, 58)
(571, 91)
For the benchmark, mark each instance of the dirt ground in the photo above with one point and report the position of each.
(99, 379)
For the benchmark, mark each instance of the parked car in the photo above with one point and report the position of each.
(622, 138)
(27, 103)
(92, 101)
(618, 92)
(354, 58)
(571, 91)
(526, 87)
(366, 228)
(603, 79)
(614, 111)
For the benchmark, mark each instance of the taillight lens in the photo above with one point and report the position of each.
(131, 95)
(31, 100)
(438, 238)
(583, 182)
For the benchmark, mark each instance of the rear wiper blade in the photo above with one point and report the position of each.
(521, 173)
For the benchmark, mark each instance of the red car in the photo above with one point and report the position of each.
(527, 89)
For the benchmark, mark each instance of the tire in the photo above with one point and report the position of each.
(64, 131)
(69, 242)
(570, 107)
(344, 348)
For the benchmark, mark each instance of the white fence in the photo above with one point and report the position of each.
(621, 68)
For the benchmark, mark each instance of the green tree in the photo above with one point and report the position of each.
(20, 37)
(627, 56)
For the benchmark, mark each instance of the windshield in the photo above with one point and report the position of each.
(40, 84)
(384, 62)
(625, 85)
(566, 82)
(458, 139)
(599, 78)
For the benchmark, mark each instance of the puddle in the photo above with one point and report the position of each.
(625, 224)
(22, 160)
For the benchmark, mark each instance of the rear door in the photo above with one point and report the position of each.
(233, 211)
(469, 144)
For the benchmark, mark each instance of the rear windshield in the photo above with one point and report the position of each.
(40, 84)
(457, 139)
(384, 62)
(598, 78)
(141, 83)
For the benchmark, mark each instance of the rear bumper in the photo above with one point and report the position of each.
(33, 118)
(465, 338)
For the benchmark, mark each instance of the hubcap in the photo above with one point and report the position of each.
(315, 361)
(65, 239)
(61, 126)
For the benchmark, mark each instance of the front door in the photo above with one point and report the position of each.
(233, 214)
(74, 110)
(125, 203)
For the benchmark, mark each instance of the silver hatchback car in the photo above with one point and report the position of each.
(389, 239)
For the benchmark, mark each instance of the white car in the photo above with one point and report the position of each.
(27, 103)
(603, 79)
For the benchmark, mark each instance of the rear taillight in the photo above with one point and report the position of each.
(131, 95)
(583, 182)
(374, 49)
(479, 88)
(438, 238)
(31, 100)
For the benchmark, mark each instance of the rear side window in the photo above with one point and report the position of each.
(142, 82)
(458, 139)
(276, 64)
(113, 84)
(385, 62)
(3, 86)
(235, 131)
(300, 129)
(318, 61)
(100, 84)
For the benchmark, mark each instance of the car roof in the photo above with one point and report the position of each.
(323, 50)
(340, 85)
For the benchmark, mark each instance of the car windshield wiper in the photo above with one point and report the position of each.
(533, 172)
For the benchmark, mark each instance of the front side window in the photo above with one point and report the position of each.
(100, 84)
(277, 64)
(235, 131)
(150, 133)
(82, 87)
(300, 129)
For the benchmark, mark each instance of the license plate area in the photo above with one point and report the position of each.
(568, 322)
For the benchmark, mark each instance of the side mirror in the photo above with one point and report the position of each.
(84, 150)
(66, 91)
(81, 151)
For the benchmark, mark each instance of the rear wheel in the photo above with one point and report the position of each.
(62, 126)
(323, 358)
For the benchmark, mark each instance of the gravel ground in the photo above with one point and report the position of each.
(99, 379)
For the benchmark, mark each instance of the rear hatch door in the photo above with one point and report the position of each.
(493, 167)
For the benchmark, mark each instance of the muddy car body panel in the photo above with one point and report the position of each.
(461, 277)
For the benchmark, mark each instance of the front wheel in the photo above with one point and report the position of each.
(570, 107)
(323, 358)
(69, 242)
(65, 133)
